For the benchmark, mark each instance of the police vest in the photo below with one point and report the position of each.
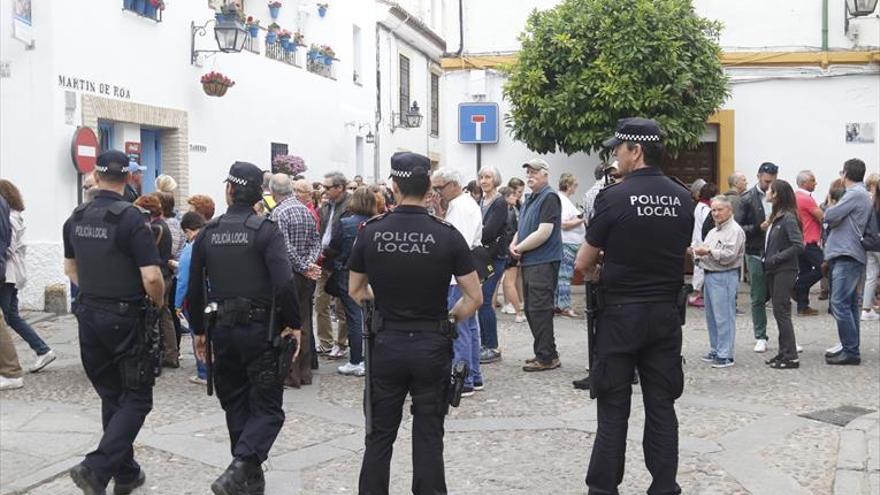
(103, 270)
(236, 268)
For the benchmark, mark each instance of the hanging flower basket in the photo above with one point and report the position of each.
(274, 8)
(288, 164)
(216, 84)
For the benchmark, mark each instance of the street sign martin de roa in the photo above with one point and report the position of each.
(477, 123)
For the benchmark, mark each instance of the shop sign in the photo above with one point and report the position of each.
(92, 86)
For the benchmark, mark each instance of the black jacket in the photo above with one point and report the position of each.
(5, 236)
(750, 216)
(495, 227)
(784, 244)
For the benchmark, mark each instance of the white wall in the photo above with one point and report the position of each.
(493, 25)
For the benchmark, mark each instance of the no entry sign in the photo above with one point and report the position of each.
(84, 150)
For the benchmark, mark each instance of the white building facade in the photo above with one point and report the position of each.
(796, 89)
(124, 69)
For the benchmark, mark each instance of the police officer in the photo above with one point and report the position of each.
(639, 322)
(109, 252)
(412, 350)
(249, 277)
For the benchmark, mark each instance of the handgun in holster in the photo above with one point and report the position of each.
(459, 373)
(681, 301)
(210, 322)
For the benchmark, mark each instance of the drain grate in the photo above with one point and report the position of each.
(840, 416)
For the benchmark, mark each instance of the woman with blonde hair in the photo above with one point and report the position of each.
(165, 184)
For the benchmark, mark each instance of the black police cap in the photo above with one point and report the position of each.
(245, 174)
(112, 162)
(635, 130)
(405, 165)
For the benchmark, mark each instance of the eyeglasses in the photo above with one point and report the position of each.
(440, 188)
(354, 188)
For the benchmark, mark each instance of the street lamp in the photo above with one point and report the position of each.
(228, 32)
(409, 120)
(857, 8)
(370, 138)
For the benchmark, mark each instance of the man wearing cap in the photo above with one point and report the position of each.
(639, 323)
(135, 181)
(110, 254)
(249, 277)
(751, 214)
(411, 343)
(538, 246)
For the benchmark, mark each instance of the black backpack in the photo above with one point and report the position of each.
(871, 235)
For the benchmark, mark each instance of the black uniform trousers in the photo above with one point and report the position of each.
(647, 336)
(105, 339)
(254, 415)
(417, 363)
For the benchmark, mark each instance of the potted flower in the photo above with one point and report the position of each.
(274, 7)
(299, 39)
(158, 4)
(284, 36)
(314, 52)
(253, 26)
(272, 34)
(288, 164)
(322, 9)
(328, 54)
(216, 84)
(230, 12)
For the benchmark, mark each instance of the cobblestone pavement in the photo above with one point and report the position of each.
(741, 429)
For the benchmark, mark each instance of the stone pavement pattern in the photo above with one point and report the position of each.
(525, 433)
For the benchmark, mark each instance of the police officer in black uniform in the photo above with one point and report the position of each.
(408, 257)
(249, 277)
(640, 315)
(109, 252)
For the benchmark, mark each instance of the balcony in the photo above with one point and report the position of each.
(321, 65)
(145, 8)
(275, 52)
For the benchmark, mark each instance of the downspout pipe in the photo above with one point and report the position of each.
(461, 28)
(824, 25)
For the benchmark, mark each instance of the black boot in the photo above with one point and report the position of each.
(233, 481)
(126, 488)
(87, 480)
(583, 383)
(256, 482)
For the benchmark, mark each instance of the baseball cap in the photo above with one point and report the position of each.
(134, 166)
(635, 130)
(768, 168)
(406, 164)
(537, 164)
(245, 174)
(113, 162)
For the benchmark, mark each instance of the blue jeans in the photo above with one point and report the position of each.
(488, 321)
(566, 272)
(719, 294)
(466, 346)
(354, 321)
(201, 368)
(846, 273)
(9, 304)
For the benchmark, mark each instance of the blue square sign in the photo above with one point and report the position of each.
(477, 123)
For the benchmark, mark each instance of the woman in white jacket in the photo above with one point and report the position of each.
(16, 276)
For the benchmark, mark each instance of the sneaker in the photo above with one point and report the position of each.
(322, 349)
(808, 311)
(467, 391)
(198, 380)
(539, 366)
(337, 352)
(508, 309)
(42, 361)
(870, 315)
(478, 386)
(833, 351)
(722, 363)
(520, 318)
(349, 369)
(10, 383)
(799, 349)
(489, 356)
(761, 345)
(709, 357)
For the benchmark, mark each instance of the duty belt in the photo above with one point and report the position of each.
(241, 311)
(415, 325)
(615, 299)
(115, 306)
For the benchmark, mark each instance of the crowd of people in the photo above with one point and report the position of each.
(527, 234)
(787, 242)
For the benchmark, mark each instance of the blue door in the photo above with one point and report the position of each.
(151, 157)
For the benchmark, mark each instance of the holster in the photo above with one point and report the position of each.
(456, 383)
(681, 302)
(143, 362)
(286, 350)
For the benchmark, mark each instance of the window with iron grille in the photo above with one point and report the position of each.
(403, 81)
(435, 105)
(145, 8)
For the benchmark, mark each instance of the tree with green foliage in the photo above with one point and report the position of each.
(586, 63)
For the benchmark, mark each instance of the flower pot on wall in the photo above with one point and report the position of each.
(273, 11)
(322, 11)
(128, 4)
(271, 38)
(254, 31)
(140, 6)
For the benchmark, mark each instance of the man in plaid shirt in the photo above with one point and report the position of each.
(300, 232)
